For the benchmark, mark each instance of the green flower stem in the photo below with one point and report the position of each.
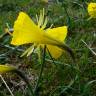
(51, 56)
(41, 71)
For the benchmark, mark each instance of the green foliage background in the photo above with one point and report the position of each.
(62, 79)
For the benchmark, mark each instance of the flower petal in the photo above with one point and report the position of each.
(59, 33)
(92, 10)
(25, 31)
(54, 51)
(5, 68)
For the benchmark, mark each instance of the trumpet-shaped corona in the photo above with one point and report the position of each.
(92, 10)
(60, 33)
(26, 31)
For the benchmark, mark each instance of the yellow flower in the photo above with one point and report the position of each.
(5, 68)
(26, 31)
(46, 1)
(60, 33)
(92, 10)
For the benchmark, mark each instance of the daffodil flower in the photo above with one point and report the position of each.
(92, 10)
(6, 68)
(26, 31)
